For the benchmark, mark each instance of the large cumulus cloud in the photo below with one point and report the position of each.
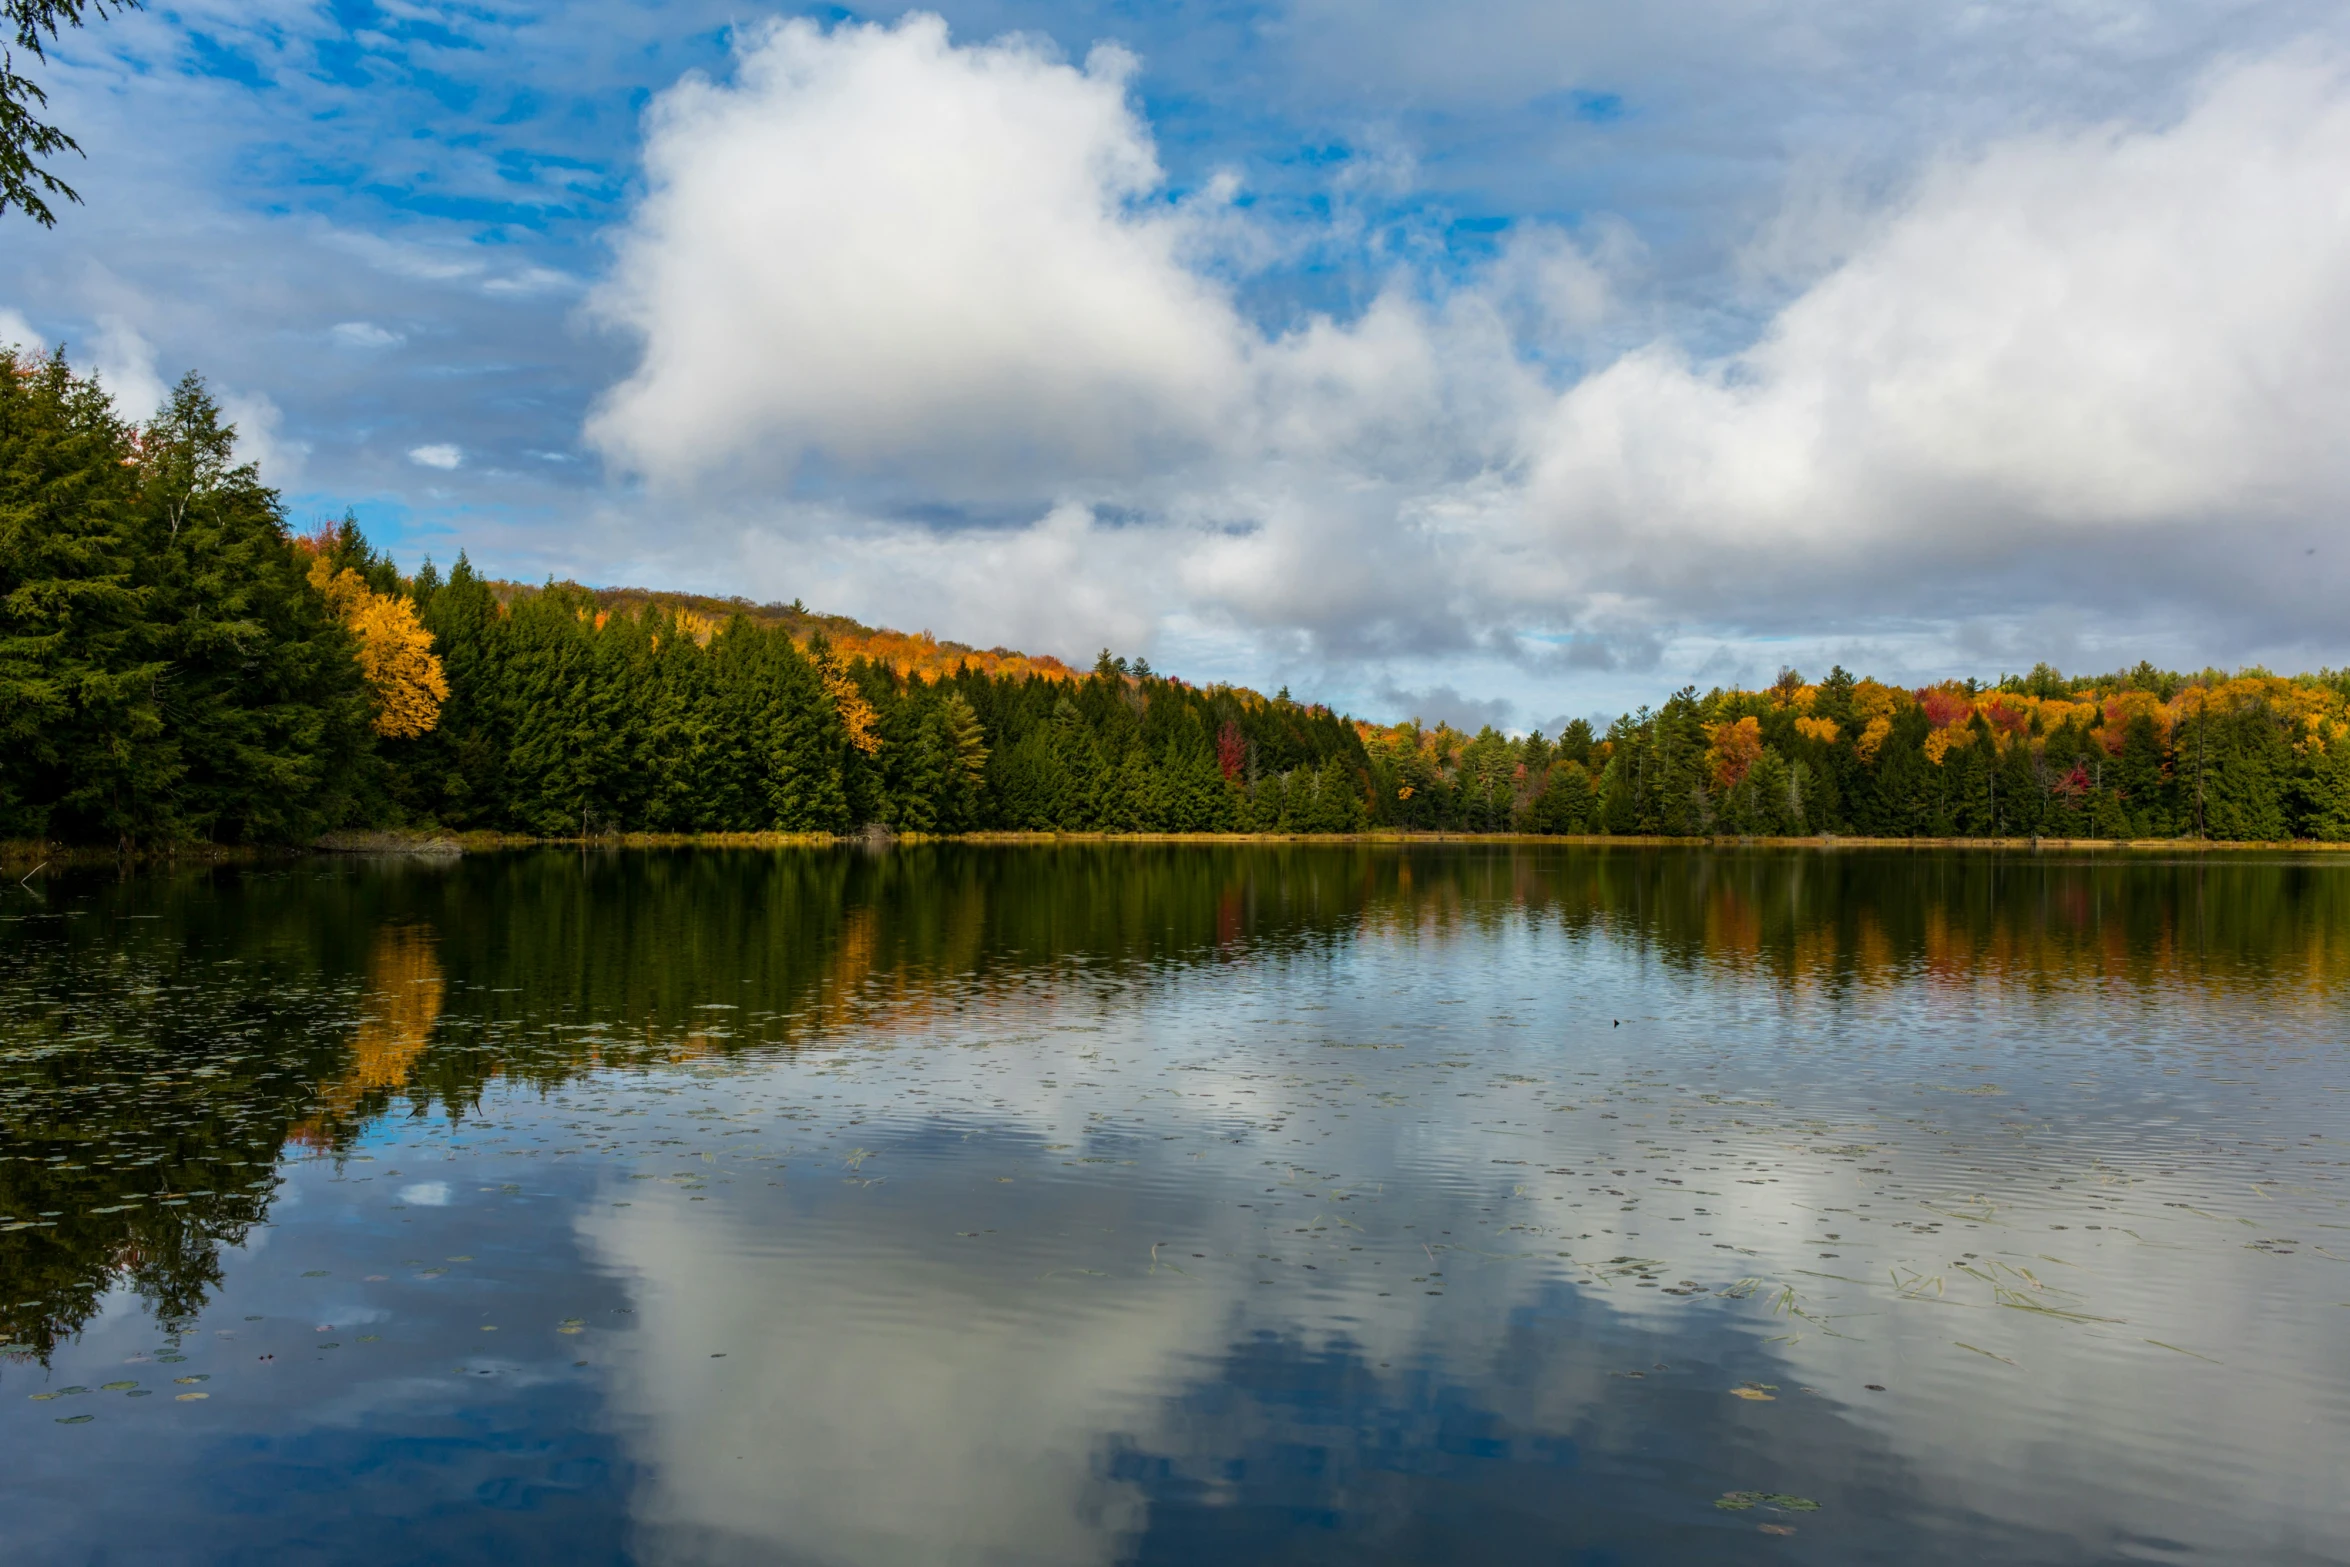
(2087, 368)
(878, 247)
(2048, 358)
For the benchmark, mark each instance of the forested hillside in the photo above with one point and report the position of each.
(177, 665)
(2142, 754)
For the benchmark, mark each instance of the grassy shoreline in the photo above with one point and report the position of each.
(21, 858)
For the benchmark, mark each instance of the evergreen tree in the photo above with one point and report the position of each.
(1771, 805)
(2141, 784)
(262, 697)
(2321, 791)
(1899, 799)
(83, 750)
(806, 744)
(2251, 768)
(1564, 805)
(456, 773)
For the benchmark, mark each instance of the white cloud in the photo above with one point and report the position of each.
(2072, 338)
(879, 247)
(426, 1194)
(439, 455)
(2077, 367)
(531, 280)
(261, 437)
(126, 367)
(17, 332)
(366, 334)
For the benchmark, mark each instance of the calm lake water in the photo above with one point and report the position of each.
(1097, 1204)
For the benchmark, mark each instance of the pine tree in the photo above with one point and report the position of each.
(2251, 767)
(264, 698)
(2140, 782)
(457, 773)
(1564, 805)
(83, 751)
(1766, 807)
(806, 745)
(2321, 791)
(550, 670)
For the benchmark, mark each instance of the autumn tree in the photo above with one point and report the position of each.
(395, 652)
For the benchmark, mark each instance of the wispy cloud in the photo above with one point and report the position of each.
(366, 334)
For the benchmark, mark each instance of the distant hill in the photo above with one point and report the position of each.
(903, 652)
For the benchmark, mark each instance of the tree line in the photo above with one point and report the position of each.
(177, 664)
(2144, 753)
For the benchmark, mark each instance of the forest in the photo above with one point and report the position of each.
(179, 665)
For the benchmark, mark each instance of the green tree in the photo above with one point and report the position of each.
(262, 699)
(2141, 781)
(2321, 791)
(806, 745)
(81, 730)
(1775, 798)
(1564, 805)
(2250, 769)
(25, 139)
(456, 773)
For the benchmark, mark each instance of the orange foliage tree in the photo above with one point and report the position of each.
(1734, 750)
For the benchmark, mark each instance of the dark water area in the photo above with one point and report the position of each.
(1112, 1203)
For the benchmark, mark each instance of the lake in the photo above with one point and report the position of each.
(1112, 1203)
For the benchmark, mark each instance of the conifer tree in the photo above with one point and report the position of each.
(82, 742)
(1564, 805)
(2140, 782)
(806, 744)
(263, 701)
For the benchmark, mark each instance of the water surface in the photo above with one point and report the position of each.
(1110, 1203)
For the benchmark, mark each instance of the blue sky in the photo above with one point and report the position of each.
(1496, 360)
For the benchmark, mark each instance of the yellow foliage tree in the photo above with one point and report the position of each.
(856, 714)
(395, 652)
(1823, 730)
(1878, 704)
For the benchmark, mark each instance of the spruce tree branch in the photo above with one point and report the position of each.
(26, 140)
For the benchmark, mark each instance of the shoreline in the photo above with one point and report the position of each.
(24, 859)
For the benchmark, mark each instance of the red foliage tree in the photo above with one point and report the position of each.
(1945, 708)
(1231, 751)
